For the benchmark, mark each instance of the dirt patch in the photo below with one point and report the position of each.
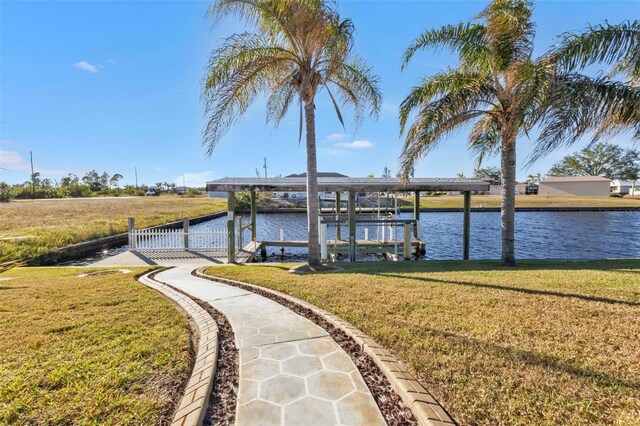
(106, 272)
(395, 412)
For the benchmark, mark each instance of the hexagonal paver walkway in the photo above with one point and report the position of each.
(291, 370)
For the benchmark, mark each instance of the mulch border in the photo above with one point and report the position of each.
(401, 398)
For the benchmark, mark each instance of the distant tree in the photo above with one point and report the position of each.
(104, 180)
(115, 180)
(93, 180)
(371, 176)
(603, 159)
(386, 173)
(460, 175)
(534, 178)
(488, 173)
(68, 180)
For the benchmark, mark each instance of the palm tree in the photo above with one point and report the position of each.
(299, 47)
(503, 92)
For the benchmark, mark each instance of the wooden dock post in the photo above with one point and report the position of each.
(466, 232)
(352, 226)
(231, 234)
(407, 242)
(132, 230)
(338, 211)
(253, 216)
(416, 213)
(185, 232)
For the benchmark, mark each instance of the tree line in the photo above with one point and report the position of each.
(601, 159)
(93, 183)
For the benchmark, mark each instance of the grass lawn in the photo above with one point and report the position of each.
(51, 224)
(449, 201)
(91, 350)
(546, 343)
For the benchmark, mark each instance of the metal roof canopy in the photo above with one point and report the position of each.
(299, 184)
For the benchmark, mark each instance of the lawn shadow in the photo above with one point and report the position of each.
(533, 358)
(516, 289)
(11, 288)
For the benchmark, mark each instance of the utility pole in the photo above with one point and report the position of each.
(265, 167)
(33, 183)
(136, 172)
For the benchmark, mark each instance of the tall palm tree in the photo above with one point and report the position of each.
(298, 48)
(501, 90)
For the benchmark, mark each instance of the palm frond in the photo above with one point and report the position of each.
(510, 30)
(441, 84)
(466, 39)
(357, 86)
(241, 68)
(441, 116)
(617, 45)
(280, 98)
(578, 104)
(485, 139)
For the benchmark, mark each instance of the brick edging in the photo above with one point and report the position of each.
(424, 406)
(194, 402)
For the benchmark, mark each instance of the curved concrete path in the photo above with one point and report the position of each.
(291, 370)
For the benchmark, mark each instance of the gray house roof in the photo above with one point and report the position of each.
(347, 184)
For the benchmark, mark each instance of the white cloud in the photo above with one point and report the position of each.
(86, 66)
(362, 144)
(194, 179)
(12, 161)
(336, 137)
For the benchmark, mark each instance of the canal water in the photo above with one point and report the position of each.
(539, 235)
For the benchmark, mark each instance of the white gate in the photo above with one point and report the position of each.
(177, 239)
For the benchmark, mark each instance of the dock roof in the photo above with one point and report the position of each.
(347, 184)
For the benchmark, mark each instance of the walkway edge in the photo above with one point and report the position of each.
(193, 406)
(424, 406)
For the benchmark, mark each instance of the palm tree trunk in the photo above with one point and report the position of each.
(508, 205)
(312, 185)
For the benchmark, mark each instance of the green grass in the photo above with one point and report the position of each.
(52, 224)
(547, 343)
(91, 350)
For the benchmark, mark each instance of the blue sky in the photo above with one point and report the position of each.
(116, 85)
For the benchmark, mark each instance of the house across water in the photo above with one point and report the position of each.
(585, 186)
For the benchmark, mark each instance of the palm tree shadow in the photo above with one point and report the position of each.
(532, 358)
(517, 290)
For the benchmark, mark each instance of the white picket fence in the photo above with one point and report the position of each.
(177, 239)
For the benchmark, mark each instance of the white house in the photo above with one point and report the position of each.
(585, 186)
(627, 187)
